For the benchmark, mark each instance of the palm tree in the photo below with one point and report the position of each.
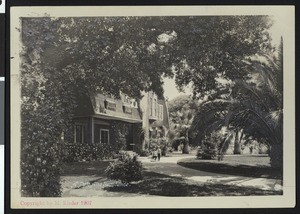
(254, 105)
(181, 123)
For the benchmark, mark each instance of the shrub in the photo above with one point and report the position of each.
(126, 169)
(40, 170)
(210, 147)
(178, 142)
(145, 153)
(153, 144)
(87, 152)
(164, 145)
(263, 149)
(207, 151)
(161, 142)
(119, 131)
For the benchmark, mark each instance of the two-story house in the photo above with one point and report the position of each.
(99, 118)
(155, 117)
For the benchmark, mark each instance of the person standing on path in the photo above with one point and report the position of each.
(158, 153)
(154, 154)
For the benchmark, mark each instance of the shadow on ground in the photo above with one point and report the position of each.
(256, 171)
(163, 185)
(96, 168)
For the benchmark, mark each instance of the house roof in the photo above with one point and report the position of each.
(104, 107)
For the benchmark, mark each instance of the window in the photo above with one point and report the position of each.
(104, 136)
(151, 109)
(160, 112)
(110, 105)
(79, 134)
(126, 99)
(127, 109)
(133, 104)
(155, 108)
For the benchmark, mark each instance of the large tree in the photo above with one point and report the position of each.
(203, 49)
(254, 105)
(182, 110)
(62, 57)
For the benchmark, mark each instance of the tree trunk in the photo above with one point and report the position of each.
(276, 156)
(237, 145)
(186, 148)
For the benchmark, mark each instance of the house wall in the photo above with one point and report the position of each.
(137, 116)
(165, 121)
(121, 134)
(151, 120)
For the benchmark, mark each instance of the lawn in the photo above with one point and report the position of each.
(163, 185)
(88, 179)
(243, 165)
(95, 168)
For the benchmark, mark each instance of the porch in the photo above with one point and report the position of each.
(101, 130)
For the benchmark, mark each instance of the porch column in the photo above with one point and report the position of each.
(92, 127)
(145, 107)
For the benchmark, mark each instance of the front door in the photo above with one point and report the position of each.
(101, 134)
(129, 139)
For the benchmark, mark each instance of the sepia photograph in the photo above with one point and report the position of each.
(113, 108)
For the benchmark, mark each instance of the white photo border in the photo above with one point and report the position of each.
(286, 13)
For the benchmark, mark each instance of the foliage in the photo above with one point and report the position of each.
(177, 142)
(65, 56)
(161, 142)
(254, 105)
(87, 152)
(164, 144)
(211, 147)
(119, 132)
(180, 125)
(181, 101)
(43, 117)
(145, 153)
(263, 149)
(207, 151)
(62, 57)
(40, 164)
(126, 169)
(204, 50)
(153, 144)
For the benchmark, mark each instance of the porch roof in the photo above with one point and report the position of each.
(111, 117)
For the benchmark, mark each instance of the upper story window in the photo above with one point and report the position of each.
(160, 112)
(110, 105)
(126, 99)
(151, 106)
(134, 104)
(127, 109)
(155, 107)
